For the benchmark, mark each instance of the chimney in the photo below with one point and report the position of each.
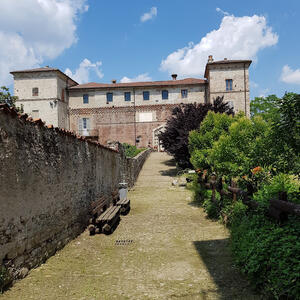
(113, 81)
(174, 76)
(210, 59)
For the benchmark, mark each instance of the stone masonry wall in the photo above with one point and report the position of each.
(48, 179)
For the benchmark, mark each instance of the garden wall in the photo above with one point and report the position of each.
(134, 166)
(48, 179)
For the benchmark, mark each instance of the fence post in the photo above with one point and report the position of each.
(234, 185)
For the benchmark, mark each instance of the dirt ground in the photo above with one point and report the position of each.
(164, 249)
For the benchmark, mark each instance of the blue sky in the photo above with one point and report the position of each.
(94, 40)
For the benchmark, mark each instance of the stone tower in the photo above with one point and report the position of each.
(229, 78)
(43, 93)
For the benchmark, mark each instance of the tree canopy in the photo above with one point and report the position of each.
(187, 117)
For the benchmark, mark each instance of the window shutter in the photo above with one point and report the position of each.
(80, 125)
(88, 124)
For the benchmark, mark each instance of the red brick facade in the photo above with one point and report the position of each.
(118, 123)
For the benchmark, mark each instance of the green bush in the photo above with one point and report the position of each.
(131, 151)
(201, 140)
(268, 254)
(4, 278)
(279, 183)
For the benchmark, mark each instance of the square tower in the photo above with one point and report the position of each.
(229, 78)
(43, 93)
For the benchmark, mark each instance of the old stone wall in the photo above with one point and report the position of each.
(134, 166)
(48, 179)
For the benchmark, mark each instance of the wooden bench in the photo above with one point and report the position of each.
(124, 205)
(107, 220)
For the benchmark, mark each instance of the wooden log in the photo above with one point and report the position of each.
(92, 229)
(96, 203)
(277, 214)
(286, 206)
(106, 228)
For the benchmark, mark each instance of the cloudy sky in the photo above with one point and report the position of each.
(97, 40)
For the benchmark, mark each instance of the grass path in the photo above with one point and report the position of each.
(173, 252)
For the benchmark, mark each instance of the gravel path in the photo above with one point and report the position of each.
(164, 249)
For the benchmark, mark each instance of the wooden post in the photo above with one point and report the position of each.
(213, 187)
(219, 189)
(234, 185)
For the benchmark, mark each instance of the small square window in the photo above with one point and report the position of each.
(228, 84)
(127, 96)
(146, 95)
(164, 94)
(35, 91)
(85, 98)
(184, 93)
(109, 97)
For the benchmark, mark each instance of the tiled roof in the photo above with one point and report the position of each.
(93, 85)
(43, 69)
(226, 61)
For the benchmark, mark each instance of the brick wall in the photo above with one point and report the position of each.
(118, 123)
(48, 179)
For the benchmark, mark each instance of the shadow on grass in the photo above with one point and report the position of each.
(216, 255)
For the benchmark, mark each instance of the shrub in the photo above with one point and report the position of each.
(268, 254)
(279, 183)
(131, 151)
(4, 278)
(202, 139)
(242, 149)
(185, 118)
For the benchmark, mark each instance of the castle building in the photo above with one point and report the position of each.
(134, 112)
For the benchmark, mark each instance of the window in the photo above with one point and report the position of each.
(228, 84)
(146, 95)
(62, 95)
(35, 91)
(109, 97)
(85, 98)
(84, 123)
(184, 93)
(127, 96)
(164, 94)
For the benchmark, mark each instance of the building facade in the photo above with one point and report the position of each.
(134, 112)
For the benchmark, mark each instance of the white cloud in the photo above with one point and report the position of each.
(141, 77)
(82, 73)
(34, 30)
(236, 38)
(289, 75)
(149, 15)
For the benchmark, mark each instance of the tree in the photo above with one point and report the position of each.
(7, 98)
(243, 148)
(266, 107)
(285, 137)
(201, 140)
(187, 117)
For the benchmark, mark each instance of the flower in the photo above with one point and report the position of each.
(256, 170)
